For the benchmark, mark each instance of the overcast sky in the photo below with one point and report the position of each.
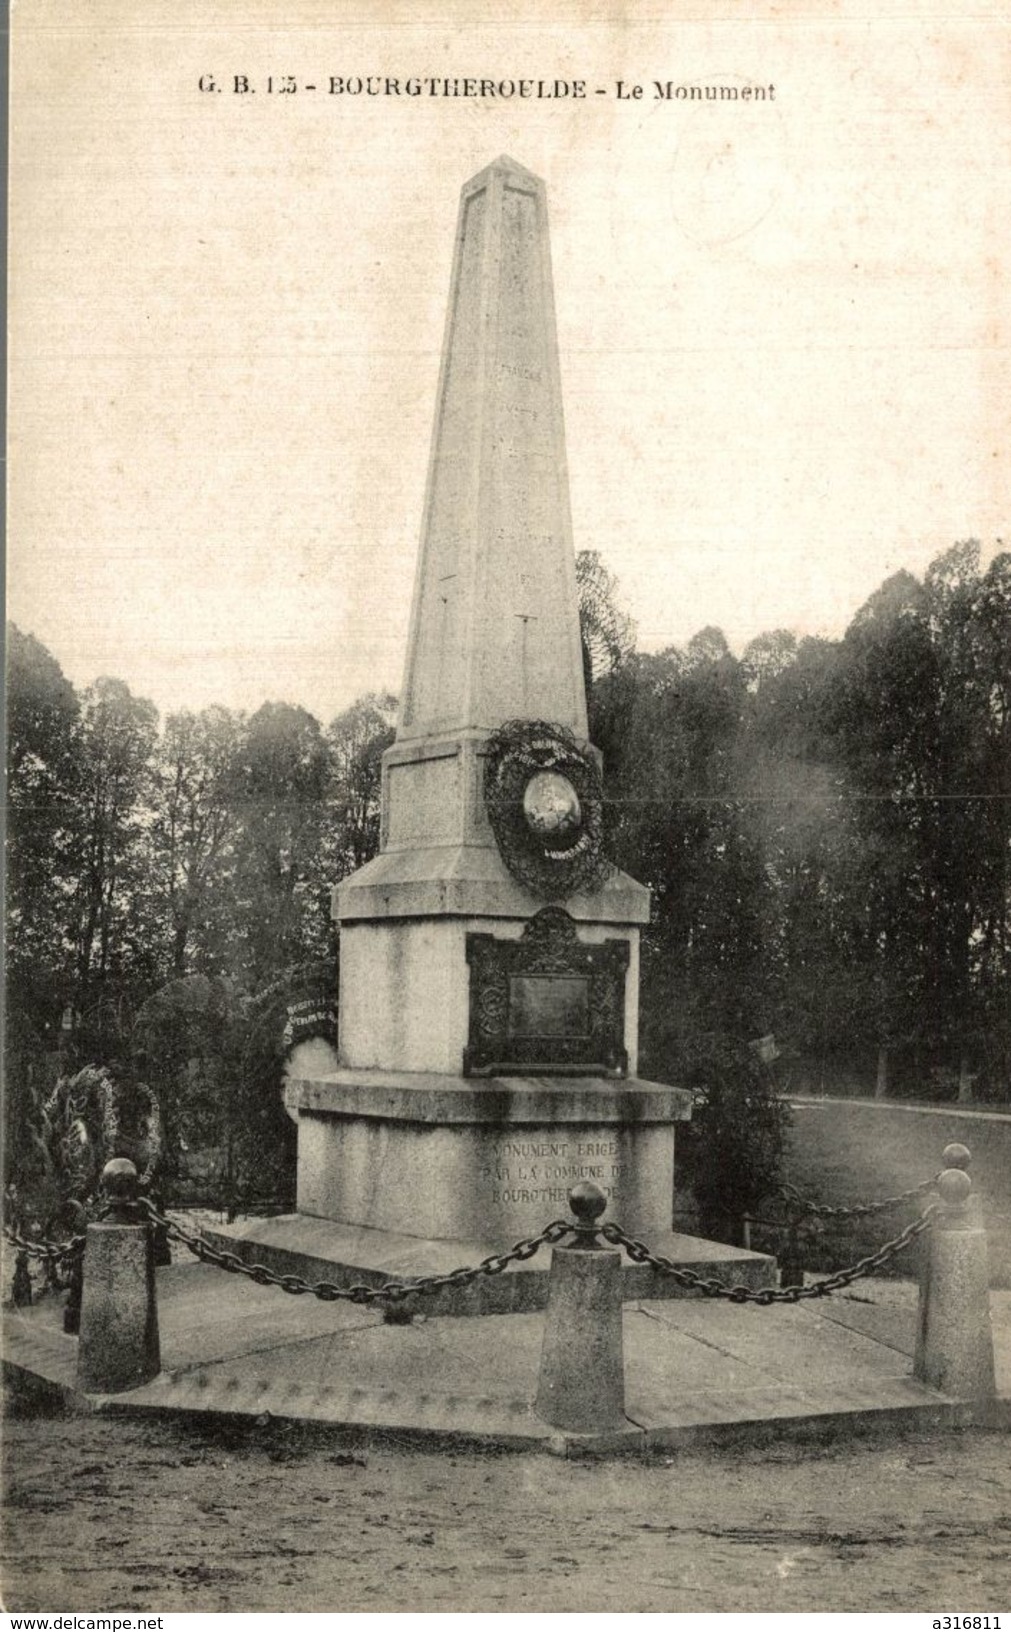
(783, 325)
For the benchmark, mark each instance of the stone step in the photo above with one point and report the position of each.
(320, 1249)
(697, 1373)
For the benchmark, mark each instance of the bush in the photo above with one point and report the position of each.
(733, 1146)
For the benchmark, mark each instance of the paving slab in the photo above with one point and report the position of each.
(893, 1324)
(259, 1318)
(770, 1341)
(886, 1311)
(242, 1390)
(41, 1349)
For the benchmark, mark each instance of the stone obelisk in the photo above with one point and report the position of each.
(400, 1138)
(494, 636)
(494, 628)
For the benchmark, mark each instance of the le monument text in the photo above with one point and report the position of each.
(503, 90)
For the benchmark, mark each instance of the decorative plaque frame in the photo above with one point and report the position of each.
(547, 1003)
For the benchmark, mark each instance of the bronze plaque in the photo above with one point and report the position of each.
(547, 1003)
(548, 1006)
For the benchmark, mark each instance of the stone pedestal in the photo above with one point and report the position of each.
(954, 1338)
(441, 1158)
(405, 989)
(118, 1347)
(581, 1385)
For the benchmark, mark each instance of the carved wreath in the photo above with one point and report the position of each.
(551, 863)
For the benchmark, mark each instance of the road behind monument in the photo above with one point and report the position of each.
(156, 1515)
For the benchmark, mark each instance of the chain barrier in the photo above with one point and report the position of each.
(800, 1203)
(396, 1291)
(64, 1258)
(393, 1291)
(711, 1288)
(54, 1252)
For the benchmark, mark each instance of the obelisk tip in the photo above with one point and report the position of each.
(503, 163)
(495, 626)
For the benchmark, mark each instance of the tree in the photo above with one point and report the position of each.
(798, 808)
(969, 617)
(43, 783)
(991, 934)
(357, 740)
(193, 835)
(707, 648)
(767, 656)
(734, 1144)
(606, 629)
(215, 1056)
(43, 788)
(186, 1042)
(280, 792)
(42, 718)
(886, 726)
(114, 954)
(917, 727)
(673, 729)
(669, 727)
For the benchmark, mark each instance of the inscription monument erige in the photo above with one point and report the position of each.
(543, 1170)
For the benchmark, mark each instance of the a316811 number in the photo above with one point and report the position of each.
(966, 1623)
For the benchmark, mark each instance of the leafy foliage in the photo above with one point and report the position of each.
(112, 949)
(826, 829)
(280, 794)
(733, 1146)
(216, 1056)
(42, 849)
(356, 741)
(157, 882)
(86, 1120)
(193, 835)
(607, 631)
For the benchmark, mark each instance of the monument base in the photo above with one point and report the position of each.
(318, 1249)
(488, 1160)
(412, 1173)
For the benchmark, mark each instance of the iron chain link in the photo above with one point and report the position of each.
(800, 1203)
(397, 1291)
(711, 1288)
(394, 1291)
(53, 1252)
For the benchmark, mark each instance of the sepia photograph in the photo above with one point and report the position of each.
(507, 998)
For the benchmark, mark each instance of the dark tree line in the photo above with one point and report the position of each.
(824, 825)
(160, 881)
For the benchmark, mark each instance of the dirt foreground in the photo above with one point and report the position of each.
(155, 1515)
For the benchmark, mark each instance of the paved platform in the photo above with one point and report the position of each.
(697, 1371)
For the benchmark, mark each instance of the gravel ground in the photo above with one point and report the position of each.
(154, 1515)
(150, 1515)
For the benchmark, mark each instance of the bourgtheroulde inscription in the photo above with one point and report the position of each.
(544, 1170)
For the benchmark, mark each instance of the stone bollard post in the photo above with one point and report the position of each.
(582, 1378)
(954, 1341)
(118, 1347)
